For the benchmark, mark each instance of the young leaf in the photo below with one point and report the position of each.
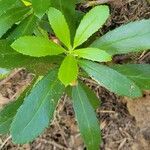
(10, 17)
(111, 79)
(139, 73)
(26, 27)
(5, 5)
(67, 7)
(27, 2)
(11, 59)
(94, 101)
(90, 23)
(36, 46)
(86, 118)
(59, 25)
(37, 110)
(40, 6)
(93, 54)
(133, 37)
(68, 70)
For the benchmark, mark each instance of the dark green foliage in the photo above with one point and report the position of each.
(24, 30)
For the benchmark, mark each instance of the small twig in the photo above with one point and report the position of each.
(61, 132)
(98, 2)
(56, 144)
(107, 111)
(88, 80)
(55, 121)
(103, 125)
(3, 144)
(122, 144)
(144, 56)
(63, 104)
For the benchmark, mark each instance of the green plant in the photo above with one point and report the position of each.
(64, 64)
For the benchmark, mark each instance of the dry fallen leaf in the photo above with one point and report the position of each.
(140, 109)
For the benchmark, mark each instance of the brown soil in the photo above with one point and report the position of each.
(123, 126)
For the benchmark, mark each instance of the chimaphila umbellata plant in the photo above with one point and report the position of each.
(28, 116)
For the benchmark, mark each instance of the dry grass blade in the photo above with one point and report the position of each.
(3, 144)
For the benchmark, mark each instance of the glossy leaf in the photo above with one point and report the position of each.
(67, 7)
(36, 46)
(26, 27)
(86, 118)
(111, 79)
(90, 23)
(139, 73)
(11, 59)
(40, 6)
(68, 70)
(10, 17)
(37, 110)
(59, 25)
(133, 37)
(93, 54)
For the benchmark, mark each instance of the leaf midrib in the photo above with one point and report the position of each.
(88, 124)
(44, 99)
(100, 82)
(81, 37)
(138, 77)
(27, 25)
(117, 41)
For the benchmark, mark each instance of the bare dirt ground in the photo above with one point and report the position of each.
(125, 124)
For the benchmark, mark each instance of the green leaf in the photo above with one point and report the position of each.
(5, 5)
(40, 32)
(94, 101)
(90, 23)
(59, 25)
(11, 59)
(7, 114)
(9, 111)
(133, 37)
(26, 27)
(68, 70)
(67, 7)
(40, 6)
(93, 54)
(139, 73)
(37, 110)
(26, 2)
(86, 118)
(10, 17)
(111, 79)
(36, 46)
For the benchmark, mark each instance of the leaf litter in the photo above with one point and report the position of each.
(122, 123)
